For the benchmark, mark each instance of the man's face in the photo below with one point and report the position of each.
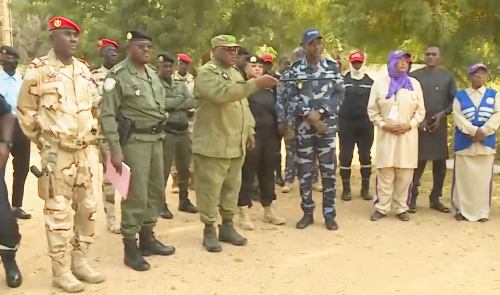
(65, 41)
(254, 70)
(9, 62)
(432, 57)
(182, 67)
(141, 51)
(165, 69)
(110, 55)
(478, 78)
(298, 56)
(314, 48)
(226, 55)
(357, 65)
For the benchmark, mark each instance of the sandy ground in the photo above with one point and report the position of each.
(431, 254)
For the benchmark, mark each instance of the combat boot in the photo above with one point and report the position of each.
(287, 188)
(149, 245)
(175, 187)
(64, 279)
(306, 220)
(210, 241)
(12, 273)
(133, 257)
(279, 179)
(317, 187)
(245, 221)
(165, 213)
(365, 189)
(270, 215)
(185, 204)
(112, 223)
(82, 270)
(228, 234)
(346, 190)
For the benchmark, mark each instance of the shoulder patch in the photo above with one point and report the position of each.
(94, 71)
(37, 62)
(116, 69)
(109, 84)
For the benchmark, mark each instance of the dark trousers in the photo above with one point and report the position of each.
(260, 162)
(20, 163)
(438, 176)
(355, 133)
(9, 230)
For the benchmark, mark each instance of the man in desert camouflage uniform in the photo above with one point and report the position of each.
(54, 111)
(109, 52)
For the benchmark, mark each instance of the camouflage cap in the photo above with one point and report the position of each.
(224, 41)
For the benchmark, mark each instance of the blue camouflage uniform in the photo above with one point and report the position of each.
(303, 97)
(285, 116)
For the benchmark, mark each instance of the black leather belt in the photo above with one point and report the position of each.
(153, 130)
(177, 127)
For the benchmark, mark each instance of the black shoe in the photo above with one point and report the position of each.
(412, 208)
(20, 214)
(306, 220)
(403, 216)
(346, 190)
(133, 257)
(331, 224)
(165, 213)
(210, 241)
(228, 234)
(149, 245)
(365, 190)
(12, 273)
(376, 216)
(185, 204)
(438, 206)
(459, 217)
(279, 180)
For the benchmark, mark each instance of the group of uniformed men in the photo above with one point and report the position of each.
(144, 120)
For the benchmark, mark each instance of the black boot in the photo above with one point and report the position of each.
(307, 220)
(365, 189)
(228, 234)
(279, 179)
(185, 204)
(133, 257)
(12, 273)
(210, 241)
(149, 245)
(346, 190)
(331, 224)
(165, 213)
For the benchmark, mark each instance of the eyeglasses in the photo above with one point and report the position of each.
(231, 49)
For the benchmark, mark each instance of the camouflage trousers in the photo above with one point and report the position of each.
(68, 187)
(291, 165)
(312, 146)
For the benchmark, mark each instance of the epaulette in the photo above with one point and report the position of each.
(37, 62)
(83, 62)
(116, 69)
(94, 71)
(209, 66)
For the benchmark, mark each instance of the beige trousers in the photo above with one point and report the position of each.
(393, 189)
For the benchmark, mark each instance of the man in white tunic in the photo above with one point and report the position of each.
(396, 107)
(477, 117)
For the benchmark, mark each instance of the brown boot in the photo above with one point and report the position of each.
(64, 279)
(270, 216)
(82, 270)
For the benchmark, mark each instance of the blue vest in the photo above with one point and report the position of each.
(477, 116)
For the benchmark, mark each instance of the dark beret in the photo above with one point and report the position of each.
(8, 50)
(136, 35)
(243, 51)
(165, 58)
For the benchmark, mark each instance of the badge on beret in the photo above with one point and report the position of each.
(129, 36)
(57, 23)
(224, 75)
(137, 92)
(109, 84)
(160, 58)
(99, 43)
(253, 59)
(490, 100)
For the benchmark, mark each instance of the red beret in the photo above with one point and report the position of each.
(106, 42)
(267, 58)
(60, 22)
(184, 57)
(410, 60)
(357, 56)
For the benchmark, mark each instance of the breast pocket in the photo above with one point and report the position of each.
(52, 96)
(84, 92)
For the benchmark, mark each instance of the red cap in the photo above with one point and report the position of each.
(106, 42)
(60, 22)
(409, 59)
(184, 57)
(267, 58)
(357, 56)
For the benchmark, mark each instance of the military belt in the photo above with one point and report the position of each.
(177, 127)
(158, 129)
(70, 145)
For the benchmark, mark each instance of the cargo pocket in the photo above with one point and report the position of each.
(44, 187)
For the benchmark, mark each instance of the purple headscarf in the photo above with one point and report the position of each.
(398, 80)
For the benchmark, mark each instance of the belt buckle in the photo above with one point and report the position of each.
(153, 130)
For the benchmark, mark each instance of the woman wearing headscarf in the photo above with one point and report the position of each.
(260, 161)
(355, 128)
(396, 107)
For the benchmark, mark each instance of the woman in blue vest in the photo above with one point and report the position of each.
(477, 117)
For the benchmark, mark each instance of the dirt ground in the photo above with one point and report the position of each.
(431, 254)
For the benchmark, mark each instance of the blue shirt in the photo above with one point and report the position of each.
(10, 87)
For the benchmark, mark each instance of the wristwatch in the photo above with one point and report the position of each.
(9, 144)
